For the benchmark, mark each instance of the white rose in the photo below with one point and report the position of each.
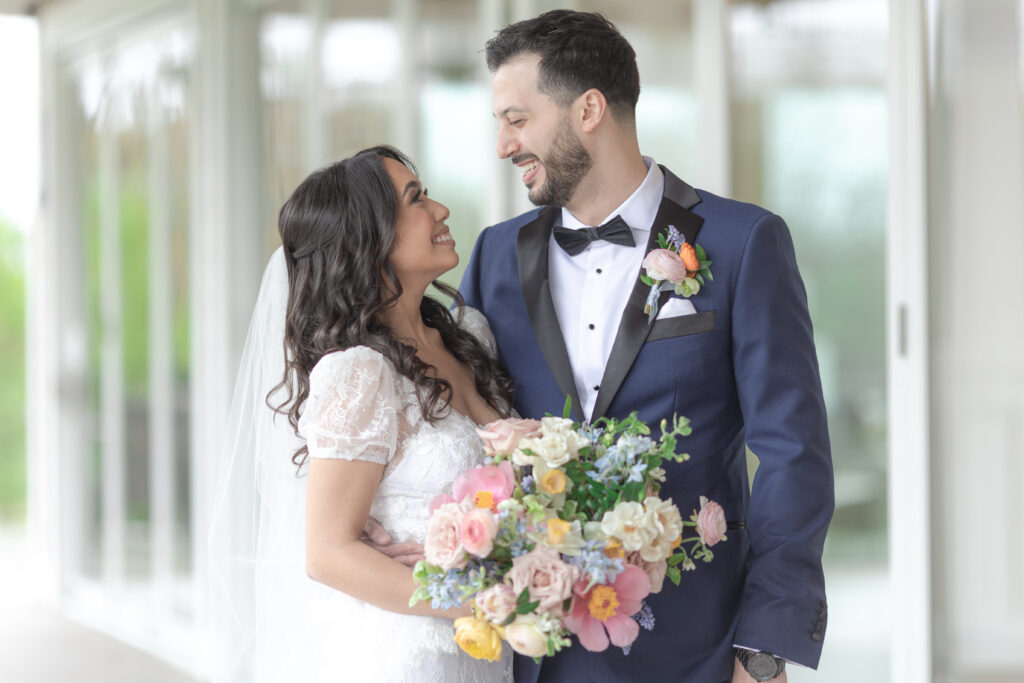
(554, 450)
(628, 523)
(555, 425)
(525, 636)
(664, 517)
(521, 459)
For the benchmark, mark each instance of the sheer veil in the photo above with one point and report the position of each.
(257, 585)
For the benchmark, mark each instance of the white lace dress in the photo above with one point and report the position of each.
(360, 408)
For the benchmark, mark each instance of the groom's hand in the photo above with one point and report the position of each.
(740, 675)
(377, 538)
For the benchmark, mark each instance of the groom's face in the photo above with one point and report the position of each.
(536, 134)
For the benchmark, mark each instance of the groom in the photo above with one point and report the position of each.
(562, 294)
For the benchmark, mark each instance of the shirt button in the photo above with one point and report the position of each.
(598, 271)
(597, 387)
(591, 325)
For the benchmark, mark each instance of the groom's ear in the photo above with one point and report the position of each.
(591, 107)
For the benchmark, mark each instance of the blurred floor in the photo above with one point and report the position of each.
(37, 645)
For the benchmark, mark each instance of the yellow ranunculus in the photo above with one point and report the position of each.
(478, 638)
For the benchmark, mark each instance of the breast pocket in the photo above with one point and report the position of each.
(682, 326)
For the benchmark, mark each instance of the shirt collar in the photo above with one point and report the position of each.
(640, 208)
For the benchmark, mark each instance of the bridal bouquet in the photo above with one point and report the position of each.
(561, 532)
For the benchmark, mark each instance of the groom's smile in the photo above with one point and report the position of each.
(529, 167)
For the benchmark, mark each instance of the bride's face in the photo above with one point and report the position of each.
(423, 248)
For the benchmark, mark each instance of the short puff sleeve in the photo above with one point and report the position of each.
(352, 409)
(474, 322)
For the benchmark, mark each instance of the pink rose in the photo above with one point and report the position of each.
(502, 436)
(549, 579)
(497, 603)
(664, 264)
(711, 524)
(655, 571)
(486, 486)
(477, 532)
(442, 546)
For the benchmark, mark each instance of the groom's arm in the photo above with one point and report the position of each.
(783, 609)
(470, 285)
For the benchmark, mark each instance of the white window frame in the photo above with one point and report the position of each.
(907, 347)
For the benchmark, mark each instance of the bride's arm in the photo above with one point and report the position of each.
(339, 494)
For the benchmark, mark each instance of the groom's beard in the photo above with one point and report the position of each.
(567, 163)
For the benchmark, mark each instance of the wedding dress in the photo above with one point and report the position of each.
(276, 624)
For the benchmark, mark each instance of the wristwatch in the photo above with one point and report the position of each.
(762, 666)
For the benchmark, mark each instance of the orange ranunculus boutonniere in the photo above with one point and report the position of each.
(675, 265)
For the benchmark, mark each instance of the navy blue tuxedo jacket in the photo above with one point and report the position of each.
(744, 370)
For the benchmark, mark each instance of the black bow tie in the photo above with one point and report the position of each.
(574, 241)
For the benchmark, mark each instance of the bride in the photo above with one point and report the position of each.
(385, 387)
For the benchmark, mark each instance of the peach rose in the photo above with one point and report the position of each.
(689, 258)
(655, 571)
(442, 546)
(711, 524)
(549, 579)
(502, 436)
(477, 531)
(497, 603)
(664, 264)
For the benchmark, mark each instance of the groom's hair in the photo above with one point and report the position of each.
(578, 51)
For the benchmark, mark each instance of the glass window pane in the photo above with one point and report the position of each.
(131, 124)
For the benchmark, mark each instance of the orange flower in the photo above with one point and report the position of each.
(689, 256)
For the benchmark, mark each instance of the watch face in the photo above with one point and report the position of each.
(762, 666)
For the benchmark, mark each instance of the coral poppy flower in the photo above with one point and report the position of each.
(486, 486)
(602, 614)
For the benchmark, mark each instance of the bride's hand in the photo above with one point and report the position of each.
(375, 536)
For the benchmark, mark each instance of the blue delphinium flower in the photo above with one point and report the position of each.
(591, 432)
(595, 565)
(634, 444)
(517, 546)
(445, 589)
(527, 484)
(636, 472)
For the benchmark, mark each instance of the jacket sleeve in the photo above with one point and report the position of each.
(470, 286)
(783, 608)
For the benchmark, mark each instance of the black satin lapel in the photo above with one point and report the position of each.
(634, 326)
(532, 251)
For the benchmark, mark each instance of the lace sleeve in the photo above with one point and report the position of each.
(352, 409)
(474, 322)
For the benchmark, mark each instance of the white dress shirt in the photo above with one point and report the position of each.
(590, 289)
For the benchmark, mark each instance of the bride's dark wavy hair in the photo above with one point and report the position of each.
(338, 228)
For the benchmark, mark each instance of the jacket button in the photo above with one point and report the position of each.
(817, 636)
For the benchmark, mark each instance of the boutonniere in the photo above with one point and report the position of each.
(675, 265)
